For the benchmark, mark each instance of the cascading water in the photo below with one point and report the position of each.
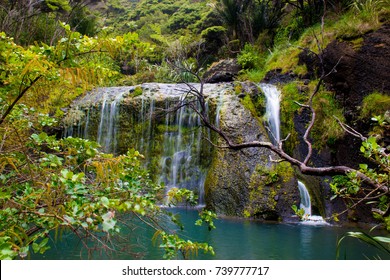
(171, 142)
(108, 123)
(272, 95)
(305, 204)
(305, 199)
(180, 161)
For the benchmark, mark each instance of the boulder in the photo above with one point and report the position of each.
(222, 71)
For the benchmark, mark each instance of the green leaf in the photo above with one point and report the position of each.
(363, 166)
(35, 247)
(67, 174)
(77, 177)
(104, 200)
(108, 221)
(375, 241)
(6, 252)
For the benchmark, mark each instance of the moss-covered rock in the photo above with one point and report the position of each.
(247, 183)
(272, 192)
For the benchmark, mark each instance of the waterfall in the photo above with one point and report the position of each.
(272, 95)
(305, 204)
(173, 143)
(108, 123)
(180, 161)
(305, 199)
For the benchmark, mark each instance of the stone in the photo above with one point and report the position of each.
(222, 71)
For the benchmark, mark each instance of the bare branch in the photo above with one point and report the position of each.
(22, 92)
(350, 130)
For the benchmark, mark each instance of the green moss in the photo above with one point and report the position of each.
(326, 129)
(255, 103)
(248, 104)
(284, 58)
(246, 213)
(252, 75)
(357, 43)
(161, 128)
(290, 95)
(265, 185)
(137, 91)
(300, 70)
(284, 171)
(237, 88)
(375, 104)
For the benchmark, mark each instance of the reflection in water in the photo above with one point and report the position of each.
(233, 239)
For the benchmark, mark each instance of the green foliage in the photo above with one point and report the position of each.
(381, 243)
(344, 185)
(49, 184)
(6, 250)
(299, 212)
(326, 129)
(249, 57)
(176, 196)
(289, 107)
(84, 21)
(58, 5)
(290, 33)
(174, 244)
(370, 9)
(207, 217)
(214, 37)
(60, 194)
(350, 185)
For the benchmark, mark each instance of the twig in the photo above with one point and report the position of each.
(350, 130)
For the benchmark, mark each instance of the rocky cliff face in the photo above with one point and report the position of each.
(362, 67)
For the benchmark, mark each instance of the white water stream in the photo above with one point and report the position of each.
(305, 204)
(273, 95)
(273, 98)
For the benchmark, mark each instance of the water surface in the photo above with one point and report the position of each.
(232, 239)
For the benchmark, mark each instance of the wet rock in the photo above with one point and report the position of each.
(277, 77)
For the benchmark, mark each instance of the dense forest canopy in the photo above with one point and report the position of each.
(53, 51)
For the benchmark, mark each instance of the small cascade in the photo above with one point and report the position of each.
(305, 199)
(305, 204)
(108, 123)
(272, 95)
(146, 119)
(180, 161)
